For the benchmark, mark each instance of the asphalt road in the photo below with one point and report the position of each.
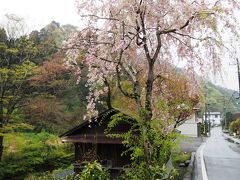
(222, 158)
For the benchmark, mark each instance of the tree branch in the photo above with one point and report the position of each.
(144, 39)
(125, 93)
(181, 27)
(159, 45)
(109, 94)
(92, 15)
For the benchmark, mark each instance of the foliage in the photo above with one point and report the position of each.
(202, 128)
(52, 75)
(160, 146)
(50, 176)
(216, 95)
(27, 153)
(229, 118)
(53, 175)
(94, 171)
(177, 158)
(49, 39)
(58, 105)
(235, 126)
(14, 73)
(91, 171)
(16, 127)
(47, 113)
(15, 69)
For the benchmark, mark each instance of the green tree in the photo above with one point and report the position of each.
(15, 69)
(229, 118)
(54, 83)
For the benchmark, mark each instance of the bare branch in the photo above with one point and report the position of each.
(92, 15)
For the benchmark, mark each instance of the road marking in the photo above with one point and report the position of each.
(203, 167)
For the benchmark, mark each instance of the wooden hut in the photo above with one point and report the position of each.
(91, 142)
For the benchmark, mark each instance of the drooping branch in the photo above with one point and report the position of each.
(98, 17)
(135, 83)
(181, 27)
(125, 93)
(179, 40)
(109, 94)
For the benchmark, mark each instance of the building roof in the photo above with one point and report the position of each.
(236, 115)
(93, 131)
(89, 122)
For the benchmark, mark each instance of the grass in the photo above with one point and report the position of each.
(27, 152)
(180, 157)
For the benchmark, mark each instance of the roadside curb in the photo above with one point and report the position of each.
(197, 170)
(190, 170)
(203, 165)
(236, 141)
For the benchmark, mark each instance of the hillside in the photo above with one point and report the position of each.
(216, 96)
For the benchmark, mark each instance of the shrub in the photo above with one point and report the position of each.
(149, 147)
(94, 171)
(235, 126)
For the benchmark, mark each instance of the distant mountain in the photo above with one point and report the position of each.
(216, 96)
(50, 39)
(55, 32)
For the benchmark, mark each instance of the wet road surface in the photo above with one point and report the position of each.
(222, 158)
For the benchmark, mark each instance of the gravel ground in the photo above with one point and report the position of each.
(191, 144)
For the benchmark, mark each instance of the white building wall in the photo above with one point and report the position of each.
(215, 117)
(189, 127)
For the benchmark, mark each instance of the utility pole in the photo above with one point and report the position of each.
(205, 122)
(209, 120)
(238, 67)
(205, 113)
(224, 114)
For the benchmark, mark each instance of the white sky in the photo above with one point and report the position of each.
(39, 13)
(229, 75)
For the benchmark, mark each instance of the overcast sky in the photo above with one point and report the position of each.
(38, 13)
